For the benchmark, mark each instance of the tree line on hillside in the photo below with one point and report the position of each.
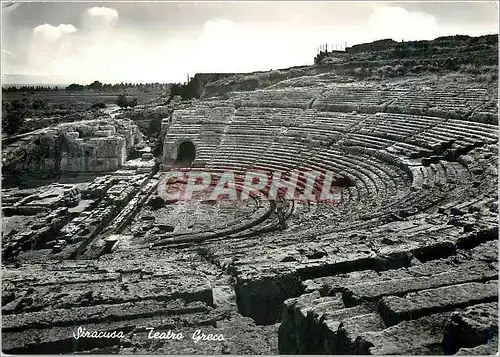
(185, 91)
(98, 86)
(14, 89)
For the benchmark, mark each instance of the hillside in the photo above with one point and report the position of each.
(375, 61)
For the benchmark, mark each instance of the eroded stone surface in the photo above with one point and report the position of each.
(474, 326)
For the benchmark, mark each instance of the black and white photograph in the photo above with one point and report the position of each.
(249, 178)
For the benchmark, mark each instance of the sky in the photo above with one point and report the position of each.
(64, 42)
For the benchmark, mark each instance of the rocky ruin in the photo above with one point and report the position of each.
(84, 146)
(406, 263)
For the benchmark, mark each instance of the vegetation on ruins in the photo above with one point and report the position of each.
(98, 105)
(252, 81)
(13, 115)
(15, 112)
(24, 112)
(154, 127)
(388, 58)
(123, 102)
(185, 91)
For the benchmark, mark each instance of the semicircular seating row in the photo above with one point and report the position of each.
(446, 99)
(381, 153)
(283, 139)
(406, 133)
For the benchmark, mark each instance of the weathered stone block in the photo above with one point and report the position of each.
(396, 309)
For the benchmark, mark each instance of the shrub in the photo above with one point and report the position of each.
(75, 87)
(122, 101)
(132, 103)
(96, 85)
(158, 148)
(38, 104)
(487, 77)
(99, 105)
(13, 115)
(450, 64)
(185, 91)
(154, 126)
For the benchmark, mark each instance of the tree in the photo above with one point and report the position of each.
(154, 127)
(12, 123)
(38, 104)
(96, 85)
(186, 91)
(75, 87)
(13, 115)
(132, 103)
(122, 101)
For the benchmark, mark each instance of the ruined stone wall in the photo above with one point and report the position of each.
(95, 154)
(93, 146)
